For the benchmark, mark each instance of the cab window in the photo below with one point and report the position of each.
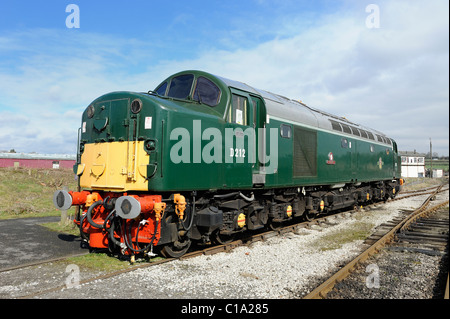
(206, 92)
(180, 86)
(238, 110)
(345, 143)
(161, 90)
(285, 131)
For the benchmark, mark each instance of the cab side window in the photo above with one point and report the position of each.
(238, 110)
(285, 131)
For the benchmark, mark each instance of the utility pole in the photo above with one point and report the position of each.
(64, 219)
(431, 159)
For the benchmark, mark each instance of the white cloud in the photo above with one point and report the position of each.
(53, 79)
(394, 79)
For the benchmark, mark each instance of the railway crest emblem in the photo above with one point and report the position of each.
(331, 160)
(380, 163)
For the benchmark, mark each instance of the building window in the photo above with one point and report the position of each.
(56, 164)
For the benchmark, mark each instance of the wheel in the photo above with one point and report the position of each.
(308, 216)
(222, 239)
(275, 225)
(177, 248)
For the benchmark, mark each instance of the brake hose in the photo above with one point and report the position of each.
(192, 217)
(128, 240)
(89, 214)
(108, 217)
(111, 233)
(82, 234)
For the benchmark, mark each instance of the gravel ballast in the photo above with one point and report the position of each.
(286, 266)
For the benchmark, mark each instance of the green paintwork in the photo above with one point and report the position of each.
(113, 121)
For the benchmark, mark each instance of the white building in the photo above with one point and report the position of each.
(413, 164)
(437, 173)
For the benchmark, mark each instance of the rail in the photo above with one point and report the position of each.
(206, 251)
(322, 290)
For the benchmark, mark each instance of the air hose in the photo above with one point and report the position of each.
(248, 199)
(89, 214)
(82, 234)
(128, 240)
(111, 231)
(192, 217)
(108, 217)
(225, 196)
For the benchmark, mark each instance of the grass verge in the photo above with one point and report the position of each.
(29, 192)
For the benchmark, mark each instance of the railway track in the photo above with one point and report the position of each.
(248, 240)
(206, 251)
(404, 232)
(429, 232)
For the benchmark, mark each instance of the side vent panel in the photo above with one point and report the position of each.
(305, 152)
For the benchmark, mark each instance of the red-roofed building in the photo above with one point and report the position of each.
(50, 161)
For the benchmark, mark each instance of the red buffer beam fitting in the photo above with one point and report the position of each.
(63, 200)
(129, 207)
(141, 216)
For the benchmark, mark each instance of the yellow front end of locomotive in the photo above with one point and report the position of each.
(114, 166)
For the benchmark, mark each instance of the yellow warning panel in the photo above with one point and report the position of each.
(115, 166)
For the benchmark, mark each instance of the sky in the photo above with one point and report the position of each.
(382, 64)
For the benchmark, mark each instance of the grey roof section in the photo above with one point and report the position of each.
(412, 154)
(36, 156)
(277, 105)
(292, 110)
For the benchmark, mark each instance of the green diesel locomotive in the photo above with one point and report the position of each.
(204, 158)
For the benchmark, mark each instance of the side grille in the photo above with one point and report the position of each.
(305, 152)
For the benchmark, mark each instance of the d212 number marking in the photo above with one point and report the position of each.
(237, 152)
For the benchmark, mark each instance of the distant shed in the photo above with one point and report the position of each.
(33, 160)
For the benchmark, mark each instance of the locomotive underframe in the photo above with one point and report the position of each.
(170, 222)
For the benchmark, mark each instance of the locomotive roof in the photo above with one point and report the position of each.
(278, 106)
(296, 111)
